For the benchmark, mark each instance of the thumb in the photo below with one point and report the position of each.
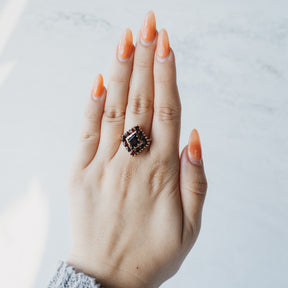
(193, 186)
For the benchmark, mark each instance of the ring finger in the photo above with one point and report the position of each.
(141, 95)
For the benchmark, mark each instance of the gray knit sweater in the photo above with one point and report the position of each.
(67, 277)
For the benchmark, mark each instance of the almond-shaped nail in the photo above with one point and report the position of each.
(98, 87)
(148, 29)
(194, 148)
(163, 46)
(125, 46)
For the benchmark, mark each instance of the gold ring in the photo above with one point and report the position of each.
(135, 141)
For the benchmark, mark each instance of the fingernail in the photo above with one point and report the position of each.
(98, 87)
(163, 47)
(125, 46)
(148, 29)
(194, 148)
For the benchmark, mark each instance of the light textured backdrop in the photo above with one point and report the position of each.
(232, 60)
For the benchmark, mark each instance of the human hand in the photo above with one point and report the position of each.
(134, 219)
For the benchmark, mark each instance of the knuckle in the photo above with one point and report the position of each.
(157, 177)
(113, 114)
(168, 113)
(91, 115)
(89, 136)
(199, 187)
(118, 81)
(140, 105)
(142, 65)
(164, 79)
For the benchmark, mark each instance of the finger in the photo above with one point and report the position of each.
(167, 106)
(140, 99)
(91, 126)
(117, 94)
(193, 186)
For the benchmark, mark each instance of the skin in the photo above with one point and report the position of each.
(134, 219)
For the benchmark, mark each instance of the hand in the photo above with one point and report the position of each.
(134, 219)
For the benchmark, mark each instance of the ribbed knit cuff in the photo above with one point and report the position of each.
(67, 277)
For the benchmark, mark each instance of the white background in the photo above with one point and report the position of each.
(232, 60)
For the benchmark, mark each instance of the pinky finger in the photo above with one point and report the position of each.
(91, 126)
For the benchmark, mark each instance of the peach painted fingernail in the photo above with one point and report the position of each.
(163, 46)
(148, 29)
(98, 87)
(125, 46)
(194, 148)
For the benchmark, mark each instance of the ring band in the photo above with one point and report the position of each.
(135, 141)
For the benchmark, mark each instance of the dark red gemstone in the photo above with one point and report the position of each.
(142, 137)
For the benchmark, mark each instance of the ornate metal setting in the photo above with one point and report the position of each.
(134, 140)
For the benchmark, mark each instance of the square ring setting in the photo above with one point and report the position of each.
(134, 140)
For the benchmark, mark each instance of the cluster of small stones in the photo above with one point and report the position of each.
(141, 135)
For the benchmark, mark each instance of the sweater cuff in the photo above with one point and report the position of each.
(67, 277)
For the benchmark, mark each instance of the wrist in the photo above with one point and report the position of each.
(109, 276)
